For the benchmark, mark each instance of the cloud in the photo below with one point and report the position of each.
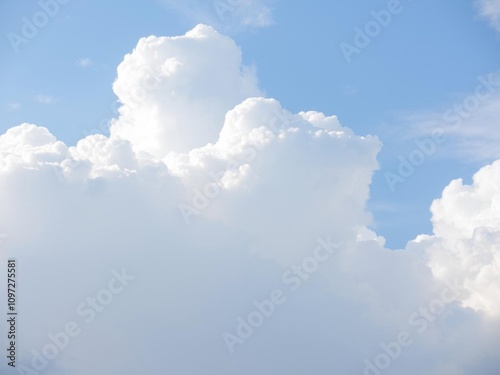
(45, 99)
(465, 245)
(173, 85)
(350, 90)
(490, 9)
(14, 106)
(227, 15)
(210, 198)
(84, 62)
(468, 125)
(28, 145)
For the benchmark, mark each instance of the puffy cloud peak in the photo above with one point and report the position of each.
(176, 91)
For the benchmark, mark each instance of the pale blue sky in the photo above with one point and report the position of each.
(428, 58)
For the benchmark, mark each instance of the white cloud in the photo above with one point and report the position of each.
(465, 246)
(29, 146)
(84, 62)
(173, 85)
(469, 124)
(265, 183)
(14, 106)
(227, 15)
(45, 99)
(490, 9)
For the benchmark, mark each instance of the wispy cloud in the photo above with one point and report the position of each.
(470, 125)
(14, 106)
(45, 99)
(84, 62)
(350, 90)
(490, 9)
(226, 14)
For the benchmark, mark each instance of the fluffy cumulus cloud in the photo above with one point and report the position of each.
(214, 231)
(176, 91)
(465, 245)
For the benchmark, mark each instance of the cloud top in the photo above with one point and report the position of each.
(175, 91)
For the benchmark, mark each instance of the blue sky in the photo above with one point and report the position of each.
(426, 59)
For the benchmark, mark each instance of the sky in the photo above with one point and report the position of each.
(331, 170)
(71, 64)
